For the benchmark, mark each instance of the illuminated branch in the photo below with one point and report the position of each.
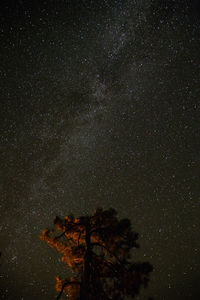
(64, 286)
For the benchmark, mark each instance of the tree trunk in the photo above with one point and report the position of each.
(85, 285)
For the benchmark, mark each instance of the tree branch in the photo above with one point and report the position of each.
(112, 254)
(63, 287)
(67, 229)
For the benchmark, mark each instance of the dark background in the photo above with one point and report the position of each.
(99, 106)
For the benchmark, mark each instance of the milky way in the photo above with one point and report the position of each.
(100, 107)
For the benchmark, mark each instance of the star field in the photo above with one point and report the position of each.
(100, 107)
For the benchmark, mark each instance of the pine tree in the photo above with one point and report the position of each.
(97, 249)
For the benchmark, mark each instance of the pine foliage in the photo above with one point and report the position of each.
(97, 249)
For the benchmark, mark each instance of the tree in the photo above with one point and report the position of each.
(97, 250)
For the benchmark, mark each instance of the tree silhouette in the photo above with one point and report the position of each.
(97, 250)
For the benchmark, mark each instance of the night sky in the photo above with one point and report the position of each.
(99, 106)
